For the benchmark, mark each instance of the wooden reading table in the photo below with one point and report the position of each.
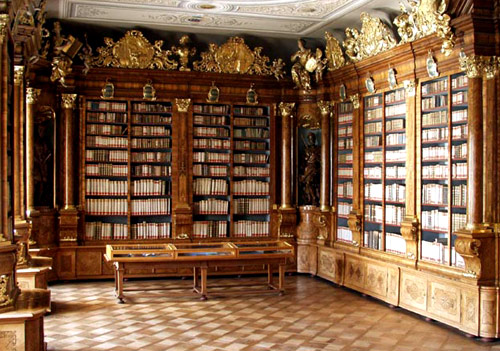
(200, 257)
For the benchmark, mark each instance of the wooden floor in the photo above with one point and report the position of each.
(313, 315)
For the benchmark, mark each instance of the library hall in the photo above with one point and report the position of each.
(267, 175)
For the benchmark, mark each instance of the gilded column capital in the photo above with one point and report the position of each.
(68, 101)
(32, 95)
(18, 74)
(325, 107)
(409, 87)
(355, 100)
(4, 22)
(182, 104)
(491, 67)
(286, 108)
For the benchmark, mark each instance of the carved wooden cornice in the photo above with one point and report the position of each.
(236, 57)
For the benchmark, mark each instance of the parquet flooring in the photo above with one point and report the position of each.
(313, 315)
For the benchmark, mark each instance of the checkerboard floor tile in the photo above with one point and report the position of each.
(312, 315)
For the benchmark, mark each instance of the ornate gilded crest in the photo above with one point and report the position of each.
(431, 65)
(149, 92)
(424, 18)
(213, 93)
(4, 293)
(374, 38)
(333, 52)
(184, 51)
(252, 97)
(235, 57)
(133, 51)
(108, 91)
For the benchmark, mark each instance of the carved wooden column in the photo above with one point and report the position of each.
(20, 224)
(409, 225)
(490, 130)
(68, 216)
(183, 214)
(356, 214)
(475, 243)
(287, 212)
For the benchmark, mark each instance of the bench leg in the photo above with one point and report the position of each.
(203, 283)
(196, 278)
(119, 274)
(281, 285)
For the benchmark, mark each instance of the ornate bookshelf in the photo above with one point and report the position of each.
(444, 166)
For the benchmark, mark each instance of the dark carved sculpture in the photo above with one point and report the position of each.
(309, 180)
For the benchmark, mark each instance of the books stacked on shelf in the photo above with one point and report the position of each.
(151, 187)
(211, 207)
(149, 231)
(210, 229)
(106, 156)
(152, 157)
(211, 157)
(106, 207)
(248, 229)
(395, 243)
(209, 186)
(251, 206)
(150, 207)
(373, 239)
(151, 171)
(106, 187)
(241, 171)
(344, 208)
(344, 190)
(106, 231)
(444, 166)
(106, 169)
(251, 187)
(344, 234)
(106, 142)
(210, 171)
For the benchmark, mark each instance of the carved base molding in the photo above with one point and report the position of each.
(182, 222)
(8, 289)
(324, 221)
(460, 303)
(68, 227)
(287, 223)
(354, 223)
(22, 331)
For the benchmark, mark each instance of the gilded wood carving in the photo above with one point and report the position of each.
(374, 38)
(4, 293)
(333, 52)
(235, 57)
(423, 18)
(475, 66)
(133, 51)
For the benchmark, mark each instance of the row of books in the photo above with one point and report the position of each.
(162, 143)
(105, 231)
(395, 192)
(431, 153)
(373, 101)
(395, 110)
(344, 208)
(106, 142)
(107, 105)
(437, 194)
(435, 118)
(211, 157)
(345, 172)
(211, 132)
(459, 98)
(395, 139)
(106, 156)
(434, 102)
(216, 109)
(438, 220)
(438, 252)
(373, 114)
(151, 119)
(150, 131)
(222, 144)
(208, 186)
(459, 195)
(146, 230)
(459, 171)
(394, 215)
(251, 206)
(346, 158)
(435, 87)
(373, 141)
(240, 171)
(211, 206)
(106, 169)
(209, 229)
(345, 144)
(211, 171)
(459, 115)
(150, 207)
(373, 191)
(395, 156)
(250, 145)
(371, 128)
(346, 107)
(374, 213)
(106, 207)
(434, 134)
(345, 131)
(459, 151)
(106, 129)
(394, 242)
(344, 234)
(107, 117)
(345, 118)
(154, 187)
(255, 122)
(151, 156)
(152, 171)
(374, 156)
(251, 158)
(251, 133)
(395, 96)
(459, 82)
(216, 120)
(250, 111)
(106, 187)
(395, 124)
(344, 189)
(251, 187)
(249, 229)
(156, 107)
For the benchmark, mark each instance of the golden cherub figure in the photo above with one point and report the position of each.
(184, 52)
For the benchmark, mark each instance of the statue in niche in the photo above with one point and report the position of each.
(309, 180)
(305, 62)
(184, 52)
(43, 155)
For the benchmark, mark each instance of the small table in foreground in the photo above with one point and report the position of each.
(200, 257)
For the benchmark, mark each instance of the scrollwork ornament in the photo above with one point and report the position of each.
(32, 95)
(61, 68)
(308, 121)
(5, 298)
(68, 101)
(183, 104)
(286, 108)
(184, 52)
(475, 66)
(469, 249)
(355, 100)
(333, 51)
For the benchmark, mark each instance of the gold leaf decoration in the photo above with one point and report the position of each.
(235, 57)
(333, 51)
(424, 18)
(374, 38)
(133, 51)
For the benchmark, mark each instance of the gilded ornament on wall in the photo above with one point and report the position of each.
(235, 57)
(4, 294)
(374, 38)
(333, 52)
(133, 51)
(306, 62)
(475, 66)
(308, 121)
(184, 51)
(423, 18)
(252, 97)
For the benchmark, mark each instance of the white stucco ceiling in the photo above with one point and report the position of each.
(271, 18)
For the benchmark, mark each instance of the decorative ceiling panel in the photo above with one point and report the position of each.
(284, 18)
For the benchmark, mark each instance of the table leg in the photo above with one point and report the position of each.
(196, 278)
(203, 283)
(119, 281)
(282, 279)
(270, 276)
